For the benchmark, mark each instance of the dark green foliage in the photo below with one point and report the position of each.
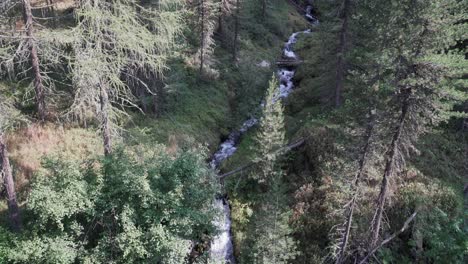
(269, 239)
(397, 55)
(268, 234)
(130, 207)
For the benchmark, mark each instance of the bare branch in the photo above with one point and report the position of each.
(390, 238)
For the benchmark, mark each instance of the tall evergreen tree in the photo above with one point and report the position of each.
(118, 39)
(235, 44)
(271, 134)
(401, 53)
(341, 53)
(404, 52)
(206, 12)
(273, 241)
(345, 229)
(28, 51)
(272, 232)
(38, 85)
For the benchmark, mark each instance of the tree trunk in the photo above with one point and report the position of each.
(389, 171)
(202, 35)
(106, 134)
(264, 8)
(418, 238)
(236, 32)
(38, 86)
(51, 12)
(9, 184)
(221, 20)
(340, 64)
(357, 181)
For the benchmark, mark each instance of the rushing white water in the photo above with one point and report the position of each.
(228, 147)
(221, 250)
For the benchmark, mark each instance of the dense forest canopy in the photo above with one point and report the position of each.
(233, 131)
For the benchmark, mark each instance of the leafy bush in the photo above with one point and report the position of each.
(130, 207)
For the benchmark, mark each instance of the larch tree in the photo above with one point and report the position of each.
(271, 135)
(228, 25)
(226, 9)
(235, 44)
(273, 241)
(38, 85)
(264, 7)
(206, 12)
(28, 51)
(9, 184)
(334, 44)
(113, 41)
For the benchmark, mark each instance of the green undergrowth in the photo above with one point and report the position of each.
(442, 156)
(207, 110)
(194, 109)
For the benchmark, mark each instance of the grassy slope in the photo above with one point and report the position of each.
(208, 110)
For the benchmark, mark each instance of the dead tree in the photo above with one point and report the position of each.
(390, 238)
(202, 14)
(264, 8)
(390, 168)
(357, 181)
(236, 31)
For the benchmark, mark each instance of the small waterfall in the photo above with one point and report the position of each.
(221, 250)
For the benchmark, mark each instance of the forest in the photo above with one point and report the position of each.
(234, 131)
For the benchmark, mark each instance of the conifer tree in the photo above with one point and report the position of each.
(271, 134)
(272, 233)
(345, 229)
(38, 85)
(273, 241)
(413, 79)
(226, 10)
(264, 8)
(28, 53)
(341, 53)
(9, 184)
(235, 44)
(206, 12)
(119, 39)
(334, 41)
(397, 54)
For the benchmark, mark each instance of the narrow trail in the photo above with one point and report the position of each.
(221, 249)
